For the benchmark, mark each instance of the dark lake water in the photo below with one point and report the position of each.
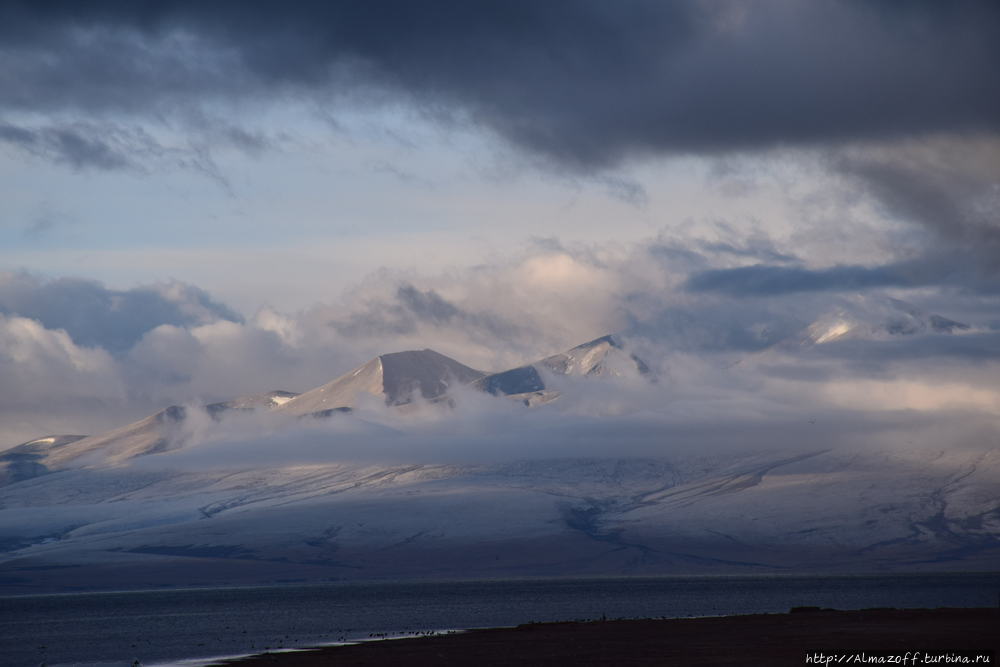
(166, 626)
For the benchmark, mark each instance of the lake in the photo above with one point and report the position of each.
(165, 626)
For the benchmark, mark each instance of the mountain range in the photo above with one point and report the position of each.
(399, 379)
(172, 499)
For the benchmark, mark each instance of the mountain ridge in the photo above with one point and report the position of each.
(602, 356)
(400, 379)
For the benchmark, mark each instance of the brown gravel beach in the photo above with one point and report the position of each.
(805, 636)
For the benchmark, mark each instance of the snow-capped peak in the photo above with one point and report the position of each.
(398, 377)
(876, 318)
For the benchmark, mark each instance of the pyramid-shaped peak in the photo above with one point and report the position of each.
(397, 377)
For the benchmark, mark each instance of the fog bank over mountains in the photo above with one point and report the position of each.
(380, 397)
(62, 374)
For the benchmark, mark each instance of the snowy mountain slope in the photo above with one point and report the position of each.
(398, 378)
(155, 433)
(158, 432)
(22, 461)
(895, 509)
(852, 510)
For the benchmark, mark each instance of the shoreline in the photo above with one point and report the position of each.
(11, 593)
(765, 639)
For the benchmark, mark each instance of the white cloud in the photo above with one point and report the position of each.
(50, 384)
(36, 359)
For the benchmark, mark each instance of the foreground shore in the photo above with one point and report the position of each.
(805, 636)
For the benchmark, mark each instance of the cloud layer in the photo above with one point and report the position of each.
(712, 344)
(893, 109)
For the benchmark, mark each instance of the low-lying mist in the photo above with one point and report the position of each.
(689, 412)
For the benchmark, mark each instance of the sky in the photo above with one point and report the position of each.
(202, 200)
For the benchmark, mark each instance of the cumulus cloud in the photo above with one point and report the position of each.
(96, 316)
(76, 356)
(493, 315)
(37, 358)
(948, 187)
(222, 360)
(49, 382)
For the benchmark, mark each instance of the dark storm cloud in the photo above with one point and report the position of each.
(956, 202)
(409, 308)
(95, 316)
(757, 247)
(694, 255)
(974, 348)
(717, 327)
(79, 147)
(764, 280)
(426, 305)
(585, 83)
(967, 262)
(937, 357)
(114, 146)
